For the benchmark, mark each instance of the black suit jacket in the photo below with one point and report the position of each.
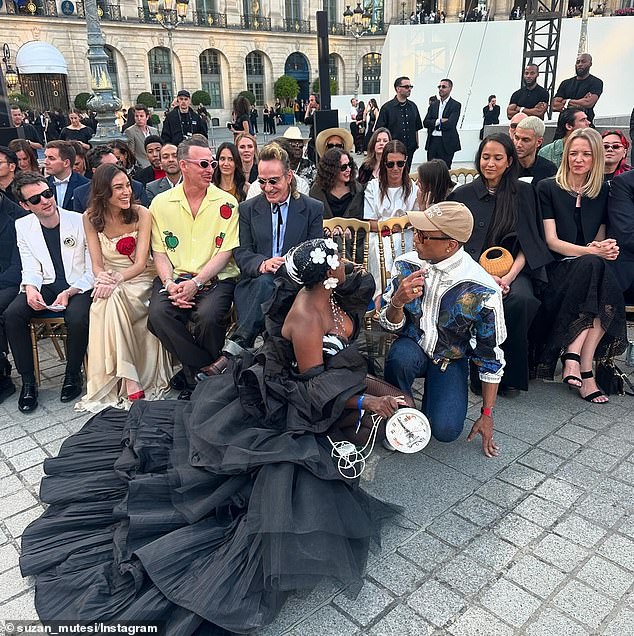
(10, 265)
(76, 180)
(82, 195)
(145, 175)
(621, 214)
(304, 222)
(449, 129)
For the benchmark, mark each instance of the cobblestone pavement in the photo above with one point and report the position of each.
(539, 541)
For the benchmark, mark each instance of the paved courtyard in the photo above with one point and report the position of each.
(539, 541)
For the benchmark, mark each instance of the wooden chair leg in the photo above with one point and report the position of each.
(36, 357)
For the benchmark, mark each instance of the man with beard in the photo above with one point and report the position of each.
(581, 91)
(532, 99)
(527, 139)
(173, 176)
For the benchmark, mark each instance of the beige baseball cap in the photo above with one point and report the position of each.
(449, 217)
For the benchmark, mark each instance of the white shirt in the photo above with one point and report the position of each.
(61, 185)
(441, 110)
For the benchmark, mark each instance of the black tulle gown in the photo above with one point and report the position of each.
(206, 515)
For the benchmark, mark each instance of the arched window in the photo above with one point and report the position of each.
(210, 76)
(112, 70)
(255, 76)
(371, 68)
(160, 63)
(297, 66)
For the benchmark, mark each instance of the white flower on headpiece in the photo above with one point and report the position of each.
(330, 244)
(331, 283)
(333, 261)
(318, 256)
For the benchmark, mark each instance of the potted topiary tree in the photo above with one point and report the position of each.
(249, 95)
(147, 99)
(81, 100)
(286, 88)
(334, 87)
(201, 97)
(21, 100)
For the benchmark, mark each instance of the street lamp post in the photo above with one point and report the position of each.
(10, 76)
(103, 101)
(170, 17)
(357, 23)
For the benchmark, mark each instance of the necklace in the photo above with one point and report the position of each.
(337, 316)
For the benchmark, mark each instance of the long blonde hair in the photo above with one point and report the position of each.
(594, 181)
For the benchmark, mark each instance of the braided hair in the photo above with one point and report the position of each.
(308, 263)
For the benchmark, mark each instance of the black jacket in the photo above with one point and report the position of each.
(10, 265)
(449, 129)
(174, 133)
(621, 214)
(482, 204)
(76, 180)
(354, 209)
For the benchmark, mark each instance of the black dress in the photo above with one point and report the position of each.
(73, 134)
(206, 515)
(520, 304)
(579, 289)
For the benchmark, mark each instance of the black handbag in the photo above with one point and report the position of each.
(612, 380)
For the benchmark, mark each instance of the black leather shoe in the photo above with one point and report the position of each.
(215, 368)
(179, 381)
(185, 395)
(27, 401)
(7, 388)
(72, 387)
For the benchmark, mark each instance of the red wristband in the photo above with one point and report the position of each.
(486, 410)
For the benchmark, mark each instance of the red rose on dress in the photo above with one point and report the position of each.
(226, 210)
(126, 246)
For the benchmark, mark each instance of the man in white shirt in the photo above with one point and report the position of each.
(441, 122)
(59, 158)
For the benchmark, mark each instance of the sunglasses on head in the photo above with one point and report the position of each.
(36, 198)
(344, 166)
(329, 146)
(272, 181)
(390, 164)
(612, 146)
(203, 163)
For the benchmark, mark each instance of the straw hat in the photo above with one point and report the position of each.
(294, 134)
(325, 135)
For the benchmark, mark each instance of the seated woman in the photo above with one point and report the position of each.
(247, 146)
(218, 509)
(124, 359)
(27, 159)
(369, 169)
(228, 175)
(615, 147)
(81, 164)
(433, 184)
(336, 186)
(388, 196)
(505, 215)
(124, 155)
(583, 309)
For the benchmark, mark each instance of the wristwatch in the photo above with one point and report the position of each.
(487, 410)
(199, 285)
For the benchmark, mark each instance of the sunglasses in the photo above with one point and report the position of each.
(36, 198)
(329, 146)
(441, 86)
(272, 181)
(203, 163)
(390, 164)
(425, 237)
(406, 86)
(612, 146)
(344, 166)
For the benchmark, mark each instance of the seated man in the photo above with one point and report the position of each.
(527, 139)
(194, 233)
(8, 167)
(621, 228)
(153, 170)
(59, 159)
(56, 270)
(270, 224)
(569, 119)
(169, 163)
(95, 157)
(440, 300)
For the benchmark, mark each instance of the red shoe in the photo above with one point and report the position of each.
(139, 395)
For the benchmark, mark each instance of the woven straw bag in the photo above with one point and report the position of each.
(497, 261)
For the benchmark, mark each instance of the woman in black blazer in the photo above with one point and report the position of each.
(505, 214)
(583, 305)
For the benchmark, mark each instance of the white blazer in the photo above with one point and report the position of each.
(37, 265)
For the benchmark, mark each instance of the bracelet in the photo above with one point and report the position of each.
(566, 103)
(167, 282)
(396, 306)
(360, 409)
(487, 410)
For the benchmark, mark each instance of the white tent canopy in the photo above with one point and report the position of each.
(40, 57)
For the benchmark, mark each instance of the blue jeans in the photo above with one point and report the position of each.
(445, 397)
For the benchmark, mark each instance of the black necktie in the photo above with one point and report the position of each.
(280, 222)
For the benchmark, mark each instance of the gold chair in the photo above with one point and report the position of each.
(396, 228)
(351, 235)
(460, 176)
(53, 328)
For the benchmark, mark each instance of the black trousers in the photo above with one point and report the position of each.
(76, 317)
(209, 319)
(250, 293)
(437, 150)
(7, 296)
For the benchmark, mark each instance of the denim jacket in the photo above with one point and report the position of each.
(459, 315)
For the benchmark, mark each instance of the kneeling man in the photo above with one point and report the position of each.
(448, 311)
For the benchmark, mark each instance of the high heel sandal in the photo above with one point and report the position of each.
(576, 358)
(139, 395)
(585, 375)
